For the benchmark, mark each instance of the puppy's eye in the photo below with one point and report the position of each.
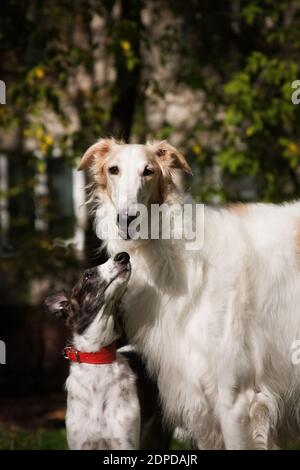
(113, 170)
(89, 275)
(148, 171)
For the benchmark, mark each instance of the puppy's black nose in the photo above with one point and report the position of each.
(122, 258)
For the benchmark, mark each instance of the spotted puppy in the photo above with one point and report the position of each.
(103, 410)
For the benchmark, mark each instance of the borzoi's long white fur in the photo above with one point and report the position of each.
(217, 325)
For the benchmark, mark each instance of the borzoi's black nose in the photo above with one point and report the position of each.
(122, 258)
(125, 220)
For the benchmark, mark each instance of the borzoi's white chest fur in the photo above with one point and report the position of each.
(217, 325)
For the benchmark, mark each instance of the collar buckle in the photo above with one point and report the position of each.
(66, 354)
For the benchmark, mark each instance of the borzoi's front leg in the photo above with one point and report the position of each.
(264, 413)
(235, 374)
(233, 411)
(260, 425)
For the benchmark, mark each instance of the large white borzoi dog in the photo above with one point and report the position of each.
(216, 325)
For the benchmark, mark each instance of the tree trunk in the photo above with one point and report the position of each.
(127, 77)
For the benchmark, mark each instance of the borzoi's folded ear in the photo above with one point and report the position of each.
(58, 305)
(170, 156)
(99, 150)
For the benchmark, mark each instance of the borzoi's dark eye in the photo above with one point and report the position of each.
(148, 171)
(89, 275)
(113, 170)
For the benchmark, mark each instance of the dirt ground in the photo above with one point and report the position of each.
(47, 412)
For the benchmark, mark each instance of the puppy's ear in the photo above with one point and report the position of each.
(58, 305)
(169, 156)
(99, 150)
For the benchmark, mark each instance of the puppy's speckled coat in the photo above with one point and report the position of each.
(103, 410)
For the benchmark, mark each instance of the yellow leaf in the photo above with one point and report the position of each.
(39, 133)
(293, 148)
(39, 72)
(48, 139)
(197, 149)
(126, 46)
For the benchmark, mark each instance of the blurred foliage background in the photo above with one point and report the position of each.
(214, 77)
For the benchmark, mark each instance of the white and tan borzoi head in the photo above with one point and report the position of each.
(128, 175)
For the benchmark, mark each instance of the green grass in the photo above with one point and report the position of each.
(177, 445)
(21, 439)
(16, 438)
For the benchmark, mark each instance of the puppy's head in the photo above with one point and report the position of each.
(101, 286)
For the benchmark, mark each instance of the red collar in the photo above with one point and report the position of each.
(106, 355)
